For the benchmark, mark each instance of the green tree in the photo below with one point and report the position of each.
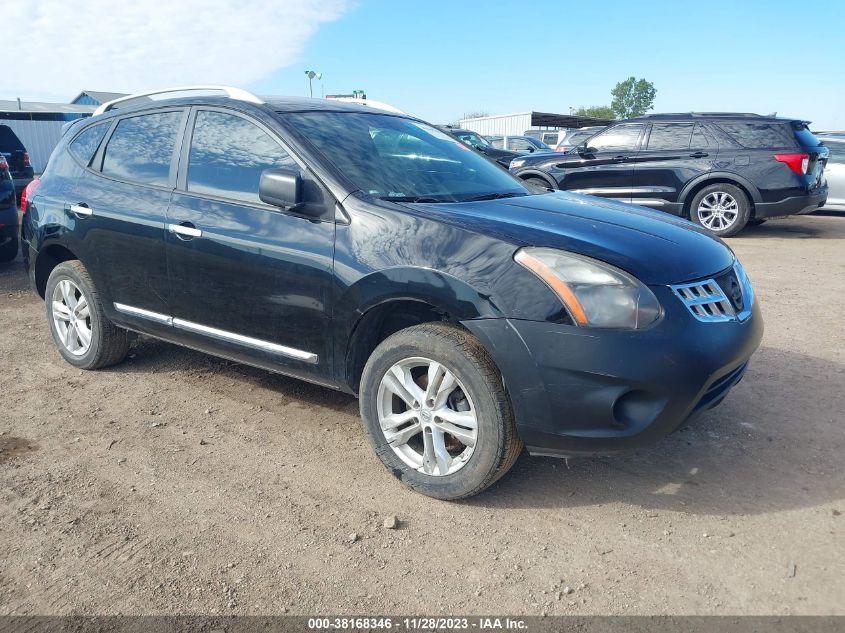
(632, 97)
(595, 112)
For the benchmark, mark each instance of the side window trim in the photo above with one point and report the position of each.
(101, 151)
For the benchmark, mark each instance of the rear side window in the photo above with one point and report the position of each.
(228, 154)
(141, 148)
(760, 135)
(670, 136)
(86, 143)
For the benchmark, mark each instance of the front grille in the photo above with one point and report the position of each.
(726, 297)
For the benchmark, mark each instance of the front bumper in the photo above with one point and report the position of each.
(795, 205)
(580, 391)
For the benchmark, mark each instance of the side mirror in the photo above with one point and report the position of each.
(281, 188)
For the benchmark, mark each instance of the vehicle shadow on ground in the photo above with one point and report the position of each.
(800, 227)
(775, 444)
(13, 277)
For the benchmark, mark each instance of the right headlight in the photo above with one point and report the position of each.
(596, 294)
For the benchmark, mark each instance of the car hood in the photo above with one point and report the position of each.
(655, 247)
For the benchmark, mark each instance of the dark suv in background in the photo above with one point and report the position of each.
(720, 170)
(468, 312)
(17, 157)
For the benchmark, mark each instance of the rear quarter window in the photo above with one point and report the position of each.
(86, 143)
(756, 135)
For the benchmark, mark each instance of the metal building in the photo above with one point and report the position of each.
(517, 123)
(39, 125)
(96, 97)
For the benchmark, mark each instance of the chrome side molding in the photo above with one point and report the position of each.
(240, 339)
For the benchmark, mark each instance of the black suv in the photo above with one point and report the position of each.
(372, 253)
(481, 145)
(722, 171)
(17, 157)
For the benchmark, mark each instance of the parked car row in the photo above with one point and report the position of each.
(16, 157)
(835, 170)
(722, 171)
(398, 265)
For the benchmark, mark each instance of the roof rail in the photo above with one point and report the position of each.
(658, 115)
(232, 93)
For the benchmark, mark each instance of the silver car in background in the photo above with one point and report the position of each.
(835, 170)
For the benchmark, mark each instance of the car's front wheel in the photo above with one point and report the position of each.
(82, 332)
(722, 209)
(436, 411)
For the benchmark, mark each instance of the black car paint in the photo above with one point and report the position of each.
(311, 281)
(668, 179)
(13, 149)
(9, 217)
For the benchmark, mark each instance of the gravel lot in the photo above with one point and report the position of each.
(180, 483)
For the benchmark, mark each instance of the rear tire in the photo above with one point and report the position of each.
(9, 250)
(450, 457)
(81, 331)
(722, 209)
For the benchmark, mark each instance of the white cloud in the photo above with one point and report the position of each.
(62, 47)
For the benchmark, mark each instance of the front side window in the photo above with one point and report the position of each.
(141, 148)
(86, 143)
(622, 138)
(228, 154)
(669, 136)
(520, 144)
(399, 159)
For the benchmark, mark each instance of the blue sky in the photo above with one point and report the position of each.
(440, 59)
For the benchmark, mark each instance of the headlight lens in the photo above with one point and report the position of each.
(595, 293)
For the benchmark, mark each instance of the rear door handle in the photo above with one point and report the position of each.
(699, 155)
(81, 210)
(185, 230)
(620, 159)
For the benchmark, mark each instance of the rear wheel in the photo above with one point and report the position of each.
(82, 332)
(722, 209)
(435, 410)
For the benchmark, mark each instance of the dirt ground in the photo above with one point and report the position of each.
(180, 483)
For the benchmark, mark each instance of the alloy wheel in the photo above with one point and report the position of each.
(71, 317)
(427, 416)
(718, 211)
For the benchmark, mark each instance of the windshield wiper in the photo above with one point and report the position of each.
(413, 199)
(495, 196)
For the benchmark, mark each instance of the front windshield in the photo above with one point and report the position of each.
(398, 159)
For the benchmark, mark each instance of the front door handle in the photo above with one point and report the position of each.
(81, 210)
(620, 159)
(185, 230)
(699, 155)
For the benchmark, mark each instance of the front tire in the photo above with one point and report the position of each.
(81, 331)
(722, 209)
(436, 412)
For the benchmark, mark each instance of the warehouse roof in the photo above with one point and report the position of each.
(99, 96)
(43, 106)
(548, 119)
